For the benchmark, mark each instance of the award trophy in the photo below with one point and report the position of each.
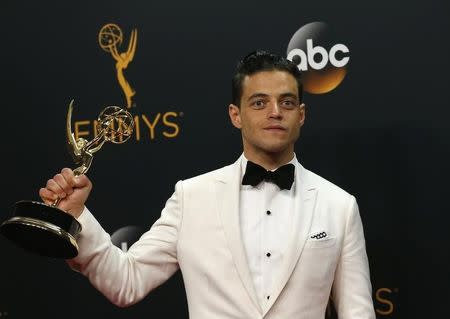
(45, 229)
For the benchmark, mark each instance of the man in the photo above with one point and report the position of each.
(260, 238)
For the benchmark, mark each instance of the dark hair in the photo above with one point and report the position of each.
(259, 61)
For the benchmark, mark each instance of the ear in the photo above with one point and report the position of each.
(235, 115)
(302, 114)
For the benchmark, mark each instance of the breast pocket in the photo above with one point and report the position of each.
(320, 243)
(318, 260)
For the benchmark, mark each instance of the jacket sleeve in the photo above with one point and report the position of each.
(126, 278)
(352, 290)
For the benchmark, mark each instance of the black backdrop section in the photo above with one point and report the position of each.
(382, 134)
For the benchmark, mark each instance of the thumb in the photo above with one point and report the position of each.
(81, 181)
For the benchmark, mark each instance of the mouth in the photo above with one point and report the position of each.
(275, 128)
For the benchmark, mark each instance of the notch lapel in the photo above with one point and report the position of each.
(305, 199)
(227, 194)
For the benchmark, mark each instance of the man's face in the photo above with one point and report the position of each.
(270, 115)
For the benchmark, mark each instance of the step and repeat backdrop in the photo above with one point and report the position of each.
(376, 81)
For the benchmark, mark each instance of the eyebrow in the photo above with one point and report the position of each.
(257, 95)
(283, 95)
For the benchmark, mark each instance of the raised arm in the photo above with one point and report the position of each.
(126, 278)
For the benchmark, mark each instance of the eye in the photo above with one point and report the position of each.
(289, 103)
(258, 104)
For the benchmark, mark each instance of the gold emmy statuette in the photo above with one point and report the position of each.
(45, 229)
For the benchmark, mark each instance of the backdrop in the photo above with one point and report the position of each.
(378, 128)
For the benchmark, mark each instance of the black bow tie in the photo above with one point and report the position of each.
(255, 174)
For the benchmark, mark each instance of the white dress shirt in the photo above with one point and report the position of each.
(266, 217)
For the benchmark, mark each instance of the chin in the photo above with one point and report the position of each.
(276, 148)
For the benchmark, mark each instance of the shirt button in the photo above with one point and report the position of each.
(268, 212)
(268, 297)
(268, 254)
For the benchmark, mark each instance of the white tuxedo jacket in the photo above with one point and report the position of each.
(199, 232)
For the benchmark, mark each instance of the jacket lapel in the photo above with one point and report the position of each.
(227, 193)
(305, 199)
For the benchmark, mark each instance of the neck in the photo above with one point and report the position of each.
(269, 161)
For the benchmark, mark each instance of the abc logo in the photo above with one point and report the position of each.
(322, 61)
(302, 59)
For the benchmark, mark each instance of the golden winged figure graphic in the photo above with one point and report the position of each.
(110, 37)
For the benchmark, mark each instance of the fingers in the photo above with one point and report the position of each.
(60, 186)
(75, 181)
(63, 184)
(54, 187)
(47, 196)
(69, 176)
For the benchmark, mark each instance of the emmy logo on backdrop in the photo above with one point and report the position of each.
(45, 229)
(109, 38)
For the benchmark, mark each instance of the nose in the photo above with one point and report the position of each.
(274, 110)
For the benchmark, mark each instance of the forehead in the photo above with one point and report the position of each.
(269, 82)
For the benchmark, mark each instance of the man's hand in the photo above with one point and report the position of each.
(73, 191)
